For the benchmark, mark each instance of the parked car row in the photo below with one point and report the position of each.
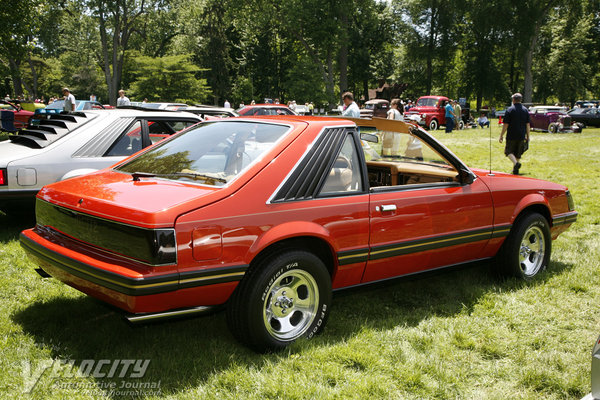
(67, 145)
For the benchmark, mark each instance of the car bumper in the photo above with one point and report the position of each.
(126, 284)
(21, 199)
(562, 222)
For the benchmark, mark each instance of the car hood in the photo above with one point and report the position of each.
(10, 151)
(114, 195)
(421, 109)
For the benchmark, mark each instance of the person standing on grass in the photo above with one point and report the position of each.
(516, 126)
(457, 114)
(69, 100)
(450, 116)
(350, 107)
(123, 100)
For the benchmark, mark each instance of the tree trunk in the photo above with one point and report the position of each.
(343, 55)
(15, 74)
(34, 77)
(527, 74)
(431, 49)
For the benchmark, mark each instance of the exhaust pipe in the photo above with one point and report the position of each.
(181, 313)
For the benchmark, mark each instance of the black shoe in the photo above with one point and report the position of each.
(516, 169)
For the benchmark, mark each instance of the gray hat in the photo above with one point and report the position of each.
(517, 96)
(66, 90)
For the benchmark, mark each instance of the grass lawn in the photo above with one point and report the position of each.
(460, 334)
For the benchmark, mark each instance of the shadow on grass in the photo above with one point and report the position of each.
(12, 225)
(186, 353)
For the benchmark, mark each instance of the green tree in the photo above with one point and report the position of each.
(170, 78)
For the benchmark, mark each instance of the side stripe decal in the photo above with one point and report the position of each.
(415, 246)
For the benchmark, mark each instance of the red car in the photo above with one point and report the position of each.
(429, 112)
(22, 116)
(268, 215)
(265, 109)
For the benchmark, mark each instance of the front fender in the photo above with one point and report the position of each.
(289, 230)
(528, 201)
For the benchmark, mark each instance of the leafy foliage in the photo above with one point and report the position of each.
(306, 50)
(171, 78)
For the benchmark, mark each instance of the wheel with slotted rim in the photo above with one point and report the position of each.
(526, 251)
(281, 299)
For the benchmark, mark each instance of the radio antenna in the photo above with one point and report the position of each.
(490, 126)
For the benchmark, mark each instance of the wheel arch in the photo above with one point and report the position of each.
(312, 243)
(530, 204)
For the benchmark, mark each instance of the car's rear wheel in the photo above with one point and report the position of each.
(553, 127)
(433, 125)
(526, 251)
(282, 299)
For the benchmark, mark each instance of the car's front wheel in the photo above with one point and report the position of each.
(282, 299)
(553, 127)
(526, 251)
(433, 125)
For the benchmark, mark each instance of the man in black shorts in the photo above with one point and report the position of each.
(516, 122)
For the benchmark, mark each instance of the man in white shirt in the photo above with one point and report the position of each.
(350, 107)
(70, 104)
(122, 100)
(227, 104)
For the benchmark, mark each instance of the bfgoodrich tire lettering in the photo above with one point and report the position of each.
(280, 300)
(526, 251)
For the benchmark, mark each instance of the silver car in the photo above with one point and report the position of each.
(68, 145)
(595, 395)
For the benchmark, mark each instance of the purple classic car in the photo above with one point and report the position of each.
(552, 119)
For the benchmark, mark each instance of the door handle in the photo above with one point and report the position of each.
(386, 207)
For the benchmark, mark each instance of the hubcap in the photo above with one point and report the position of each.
(291, 306)
(533, 248)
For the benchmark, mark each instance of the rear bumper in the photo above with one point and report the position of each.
(18, 199)
(133, 288)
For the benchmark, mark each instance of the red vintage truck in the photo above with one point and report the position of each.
(428, 112)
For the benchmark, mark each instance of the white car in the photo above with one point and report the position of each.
(595, 395)
(72, 144)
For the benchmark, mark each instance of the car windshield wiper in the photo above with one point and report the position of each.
(194, 175)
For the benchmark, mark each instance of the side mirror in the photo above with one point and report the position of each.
(369, 137)
(465, 176)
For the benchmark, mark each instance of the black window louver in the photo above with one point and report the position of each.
(50, 130)
(306, 180)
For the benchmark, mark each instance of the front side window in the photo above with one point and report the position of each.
(129, 142)
(401, 158)
(212, 153)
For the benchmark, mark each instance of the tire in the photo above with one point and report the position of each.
(461, 125)
(553, 127)
(526, 251)
(433, 125)
(283, 298)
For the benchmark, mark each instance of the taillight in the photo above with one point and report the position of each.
(3, 177)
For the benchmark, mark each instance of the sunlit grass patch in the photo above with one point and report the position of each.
(460, 334)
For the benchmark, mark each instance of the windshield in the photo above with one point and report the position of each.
(211, 153)
(427, 102)
(58, 104)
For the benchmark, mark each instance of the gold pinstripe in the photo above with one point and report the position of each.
(428, 243)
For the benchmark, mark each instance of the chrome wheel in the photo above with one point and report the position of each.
(291, 305)
(532, 251)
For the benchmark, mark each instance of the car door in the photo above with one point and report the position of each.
(421, 215)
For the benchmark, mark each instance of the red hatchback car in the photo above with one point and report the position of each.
(268, 215)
